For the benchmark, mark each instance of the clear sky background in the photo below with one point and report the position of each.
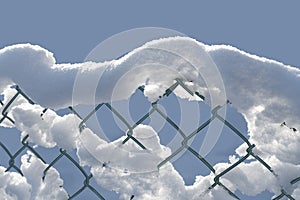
(72, 29)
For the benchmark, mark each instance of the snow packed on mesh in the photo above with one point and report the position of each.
(14, 186)
(50, 187)
(266, 92)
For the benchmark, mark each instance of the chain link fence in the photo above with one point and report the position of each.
(25, 145)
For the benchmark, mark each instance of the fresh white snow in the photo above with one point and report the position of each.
(266, 92)
(13, 186)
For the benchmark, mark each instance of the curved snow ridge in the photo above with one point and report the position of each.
(155, 64)
(266, 92)
(213, 48)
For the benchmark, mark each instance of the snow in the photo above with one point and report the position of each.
(50, 187)
(157, 63)
(266, 92)
(128, 156)
(13, 186)
(49, 130)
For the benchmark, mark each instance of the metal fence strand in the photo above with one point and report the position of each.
(233, 129)
(184, 145)
(24, 95)
(202, 159)
(82, 123)
(295, 180)
(229, 191)
(173, 124)
(284, 194)
(169, 158)
(143, 118)
(11, 161)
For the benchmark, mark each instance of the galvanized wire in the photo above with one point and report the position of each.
(186, 137)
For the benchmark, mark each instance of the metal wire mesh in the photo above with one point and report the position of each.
(186, 137)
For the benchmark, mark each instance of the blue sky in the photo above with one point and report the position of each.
(72, 29)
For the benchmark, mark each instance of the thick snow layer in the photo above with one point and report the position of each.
(157, 64)
(266, 92)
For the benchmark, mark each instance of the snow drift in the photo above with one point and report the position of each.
(266, 92)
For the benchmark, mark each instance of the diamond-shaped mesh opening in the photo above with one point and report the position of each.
(168, 135)
(226, 145)
(71, 175)
(112, 127)
(48, 154)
